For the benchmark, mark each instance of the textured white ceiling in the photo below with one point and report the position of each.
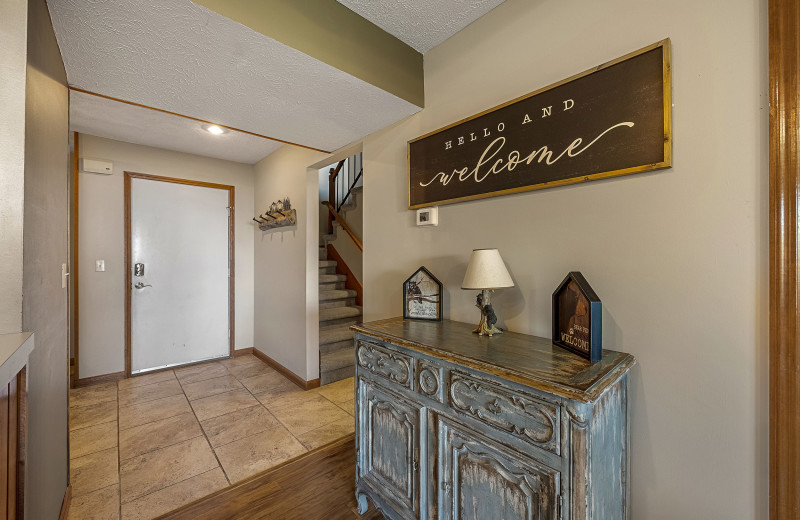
(106, 118)
(178, 56)
(422, 24)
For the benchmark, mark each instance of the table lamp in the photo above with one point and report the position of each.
(486, 272)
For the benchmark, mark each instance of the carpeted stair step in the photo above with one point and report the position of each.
(336, 298)
(335, 334)
(335, 359)
(347, 302)
(331, 376)
(327, 267)
(336, 295)
(339, 345)
(331, 286)
(345, 322)
(323, 253)
(335, 314)
(339, 313)
(328, 278)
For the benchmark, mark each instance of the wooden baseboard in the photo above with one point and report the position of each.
(299, 381)
(242, 351)
(96, 380)
(65, 504)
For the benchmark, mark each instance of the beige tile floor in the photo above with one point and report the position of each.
(150, 444)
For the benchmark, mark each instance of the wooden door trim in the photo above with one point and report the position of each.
(784, 315)
(231, 254)
(233, 128)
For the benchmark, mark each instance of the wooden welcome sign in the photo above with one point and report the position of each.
(614, 119)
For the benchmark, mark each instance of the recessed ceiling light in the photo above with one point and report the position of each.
(214, 129)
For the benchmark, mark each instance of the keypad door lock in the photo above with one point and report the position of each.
(138, 269)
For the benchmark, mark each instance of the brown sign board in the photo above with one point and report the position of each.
(612, 120)
(578, 317)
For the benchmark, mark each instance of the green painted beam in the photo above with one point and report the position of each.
(333, 34)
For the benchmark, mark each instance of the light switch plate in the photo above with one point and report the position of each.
(99, 266)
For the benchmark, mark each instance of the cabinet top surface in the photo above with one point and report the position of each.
(528, 360)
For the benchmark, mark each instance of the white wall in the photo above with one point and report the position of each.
(13, 33)
(678, 257)
(286, 301)
(101, 236)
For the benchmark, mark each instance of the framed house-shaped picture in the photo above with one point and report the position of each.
(422, 296)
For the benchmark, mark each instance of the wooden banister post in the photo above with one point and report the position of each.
(331, 196)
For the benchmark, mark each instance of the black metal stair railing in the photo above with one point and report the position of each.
(342, 180)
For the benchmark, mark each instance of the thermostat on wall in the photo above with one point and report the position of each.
(428, 216)
(96, 166)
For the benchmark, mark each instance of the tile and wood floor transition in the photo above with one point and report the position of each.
(317, 486)
(147, 445)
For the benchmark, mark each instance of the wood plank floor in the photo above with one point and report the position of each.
(317, 486)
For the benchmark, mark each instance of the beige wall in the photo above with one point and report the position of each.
(46, 247)
(678, 257)
(343, 244)
(13, 31)
(102, 304)
(286, 295)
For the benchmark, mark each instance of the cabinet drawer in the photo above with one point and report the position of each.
(523, 416)
(384, 362)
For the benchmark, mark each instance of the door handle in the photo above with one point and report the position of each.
(140, 285)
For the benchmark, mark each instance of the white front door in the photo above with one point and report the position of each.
(180, 296)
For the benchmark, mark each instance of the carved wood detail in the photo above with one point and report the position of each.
(478, 444)
(384, 419)
(482, 480)
(522, 416)
(389, 438)
(385, 363)
(429, 380)
(579, 469)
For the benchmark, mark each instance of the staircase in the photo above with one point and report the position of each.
(337, 312)
(337, 302)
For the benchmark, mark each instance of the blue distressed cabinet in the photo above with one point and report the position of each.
(452, 425)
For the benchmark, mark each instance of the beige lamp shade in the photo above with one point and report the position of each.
(486, 270)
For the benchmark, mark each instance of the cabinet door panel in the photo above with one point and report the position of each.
(481, 480)
(389, 446)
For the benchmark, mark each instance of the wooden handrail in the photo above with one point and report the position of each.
(344, 225)
(334, 172)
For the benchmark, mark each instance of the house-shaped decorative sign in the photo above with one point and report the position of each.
(578, 318)
(422, 296)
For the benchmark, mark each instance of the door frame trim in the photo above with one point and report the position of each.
(784, 236)
(231, 255)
